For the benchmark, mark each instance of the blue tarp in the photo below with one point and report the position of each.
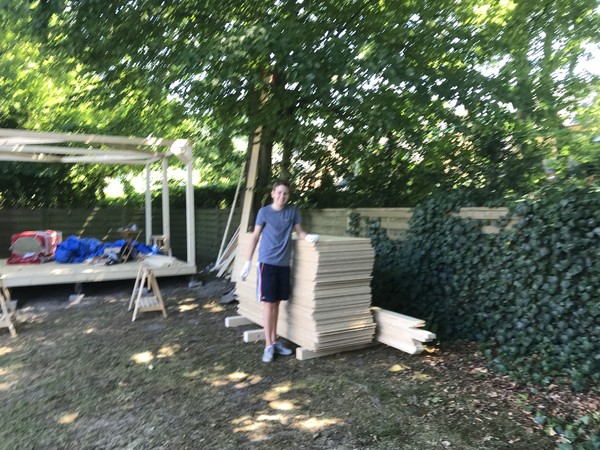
(77, 250)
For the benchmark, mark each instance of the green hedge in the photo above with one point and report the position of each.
(530, 294)
(204, 197)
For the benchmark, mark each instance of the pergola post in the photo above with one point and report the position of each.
(148, 209)
(190, 210)
(166, 212)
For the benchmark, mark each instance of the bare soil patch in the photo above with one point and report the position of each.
(85, 376)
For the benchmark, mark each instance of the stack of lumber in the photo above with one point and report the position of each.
(400, 331)
(329, 309)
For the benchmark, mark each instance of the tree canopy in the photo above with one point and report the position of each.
(360, 103)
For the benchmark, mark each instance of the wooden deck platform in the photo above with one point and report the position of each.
(19, 275)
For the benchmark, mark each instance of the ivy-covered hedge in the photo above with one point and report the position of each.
(529, 294)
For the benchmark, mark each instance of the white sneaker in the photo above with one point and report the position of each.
(268, 353)
(281, 349)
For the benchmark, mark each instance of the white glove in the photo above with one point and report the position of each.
(246, 270)
(312, 238)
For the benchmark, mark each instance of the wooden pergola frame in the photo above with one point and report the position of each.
(45, 147)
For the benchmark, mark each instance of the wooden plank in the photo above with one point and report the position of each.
(49, 137)
(490, 229)
(18, 275)
(482, 213)
(400, 331)
(384, 314)
(304, 354)
(250, 181)
(415, 334)
(412, 348)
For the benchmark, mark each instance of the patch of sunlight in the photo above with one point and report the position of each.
(214, 307)
(242, 420)
(187, 300)
(397, 368)
(219, 382)
(257, 430)
(68, 418)
(282, 405)
(420, 376)
(314, 424)
(143, 357)
(193, 374)
(276, 392)
(258, 427)
(251, 380)
(168, 350)
(7, 386)
(184, 308)
(5, 350)
(90, 330)
(238, 376)
(270, 418)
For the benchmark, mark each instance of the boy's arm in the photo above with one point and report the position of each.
(253, 242)
(304, 235)
(299, 231)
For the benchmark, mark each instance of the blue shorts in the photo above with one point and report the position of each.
(273, 283)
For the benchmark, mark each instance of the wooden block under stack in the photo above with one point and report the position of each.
(329, 309)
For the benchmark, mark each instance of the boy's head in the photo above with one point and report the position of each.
(281, 183)
(280, 193)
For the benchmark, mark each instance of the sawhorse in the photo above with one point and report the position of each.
(146, 303)
(7, 310)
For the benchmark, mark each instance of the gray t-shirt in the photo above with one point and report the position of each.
(275, 245)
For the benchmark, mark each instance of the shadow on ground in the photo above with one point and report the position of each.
(83, 375)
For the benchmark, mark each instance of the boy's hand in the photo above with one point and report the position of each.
(246, 270)
(312, 238)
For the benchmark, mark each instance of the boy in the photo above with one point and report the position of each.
(276, 223)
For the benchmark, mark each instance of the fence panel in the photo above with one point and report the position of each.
(335, 221)
(210, 226)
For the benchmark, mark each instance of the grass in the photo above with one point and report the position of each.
(85, 376)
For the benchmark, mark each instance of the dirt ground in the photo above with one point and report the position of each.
(83, 375)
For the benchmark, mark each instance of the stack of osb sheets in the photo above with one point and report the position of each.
(329, 309)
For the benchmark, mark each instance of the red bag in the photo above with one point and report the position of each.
(33, 247)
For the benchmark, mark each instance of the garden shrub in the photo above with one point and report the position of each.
(528, 294)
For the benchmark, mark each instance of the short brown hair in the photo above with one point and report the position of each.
(281, 183)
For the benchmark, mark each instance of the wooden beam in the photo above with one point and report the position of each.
(303, 354)
(232, 209)
(106, 159)
(190, 211)
(148, 208)
(13, 135)
(11, 156)
(83, 151)
(250, 181)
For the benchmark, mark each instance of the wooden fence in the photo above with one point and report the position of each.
(103, 224)
(336, 221)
